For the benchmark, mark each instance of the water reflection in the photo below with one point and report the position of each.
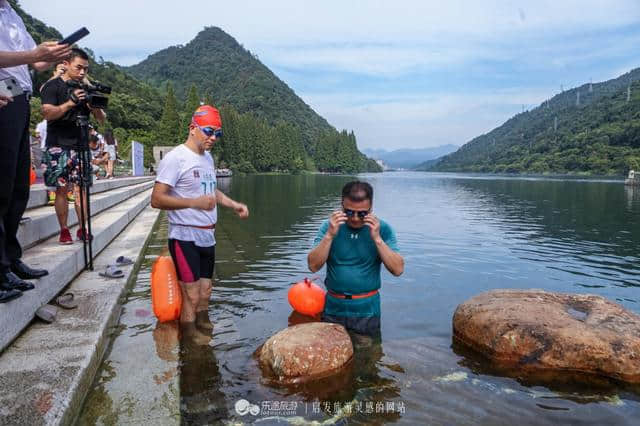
(577, 227)
(202, 400)
(138, 381)
(575, 386)
(460, 235)
(356, 393)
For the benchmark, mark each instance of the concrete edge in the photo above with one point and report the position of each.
(83, 382)
(70, 263)
(38, 193)
(46, 226)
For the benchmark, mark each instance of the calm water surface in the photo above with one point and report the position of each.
(460, 235)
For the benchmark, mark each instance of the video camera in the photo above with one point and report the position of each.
(95, 93)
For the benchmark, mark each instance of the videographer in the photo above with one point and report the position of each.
(61, 106)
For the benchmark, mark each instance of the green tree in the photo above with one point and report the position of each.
(191, 104)
(208, 99)
(36, 113)
(168, 130)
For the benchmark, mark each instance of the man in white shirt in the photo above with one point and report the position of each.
(186, 187)
(41, 131)
(17, 51)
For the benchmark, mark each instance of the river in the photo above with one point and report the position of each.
(460, 235)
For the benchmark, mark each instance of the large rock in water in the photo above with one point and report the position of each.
(534, 329)
(306, 351)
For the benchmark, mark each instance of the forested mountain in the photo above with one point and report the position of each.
(139, 111)
(229, 74)
(215, 67)
(409, 158)
(592, 129)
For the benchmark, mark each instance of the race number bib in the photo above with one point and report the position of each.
(208, 183)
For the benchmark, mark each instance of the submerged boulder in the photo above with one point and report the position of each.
(539, 330)
(305, 351)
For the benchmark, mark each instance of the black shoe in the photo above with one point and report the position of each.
(27, 273)
(10, 281)
(6, 296)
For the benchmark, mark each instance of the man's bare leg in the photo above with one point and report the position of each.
(190, 300)
(61, 206)
(76, 194)
(202, 310)
(205, 294)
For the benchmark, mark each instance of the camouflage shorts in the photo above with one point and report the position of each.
(60, 167)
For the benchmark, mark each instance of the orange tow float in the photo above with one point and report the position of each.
(307, 297)
(166, 297)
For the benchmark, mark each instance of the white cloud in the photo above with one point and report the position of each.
(152, 24)
(384, 49)
(375, 60)
(422, 121)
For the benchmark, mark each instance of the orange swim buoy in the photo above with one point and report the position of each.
(307, 297)
(166, 297)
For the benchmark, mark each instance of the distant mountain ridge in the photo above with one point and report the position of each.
(408, 158)
(593, 129)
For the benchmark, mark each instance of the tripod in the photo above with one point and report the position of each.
(84, 156)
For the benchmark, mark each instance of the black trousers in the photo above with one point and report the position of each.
(14, 176)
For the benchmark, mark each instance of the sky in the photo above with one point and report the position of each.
(402, 74)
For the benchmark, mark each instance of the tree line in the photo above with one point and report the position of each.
(250, 144)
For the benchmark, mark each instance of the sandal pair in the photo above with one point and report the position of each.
(47, 313)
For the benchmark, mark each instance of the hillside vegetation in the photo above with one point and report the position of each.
(215, 66)
(260, 135)
(592, 129)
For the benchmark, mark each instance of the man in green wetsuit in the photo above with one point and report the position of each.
(353, 243)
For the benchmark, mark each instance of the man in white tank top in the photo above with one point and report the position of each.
(186, 187)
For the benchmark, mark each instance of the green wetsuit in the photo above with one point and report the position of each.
(353, 267)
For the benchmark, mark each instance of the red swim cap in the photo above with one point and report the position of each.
(206, 115)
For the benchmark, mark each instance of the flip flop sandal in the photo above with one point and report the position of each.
(112, 271)
(124, 261)
(67, 301)
(47, 313)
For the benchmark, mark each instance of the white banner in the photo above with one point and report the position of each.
(137, 158)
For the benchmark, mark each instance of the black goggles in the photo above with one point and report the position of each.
(350, 213)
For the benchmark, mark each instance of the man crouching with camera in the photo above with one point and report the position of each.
(61, 106)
